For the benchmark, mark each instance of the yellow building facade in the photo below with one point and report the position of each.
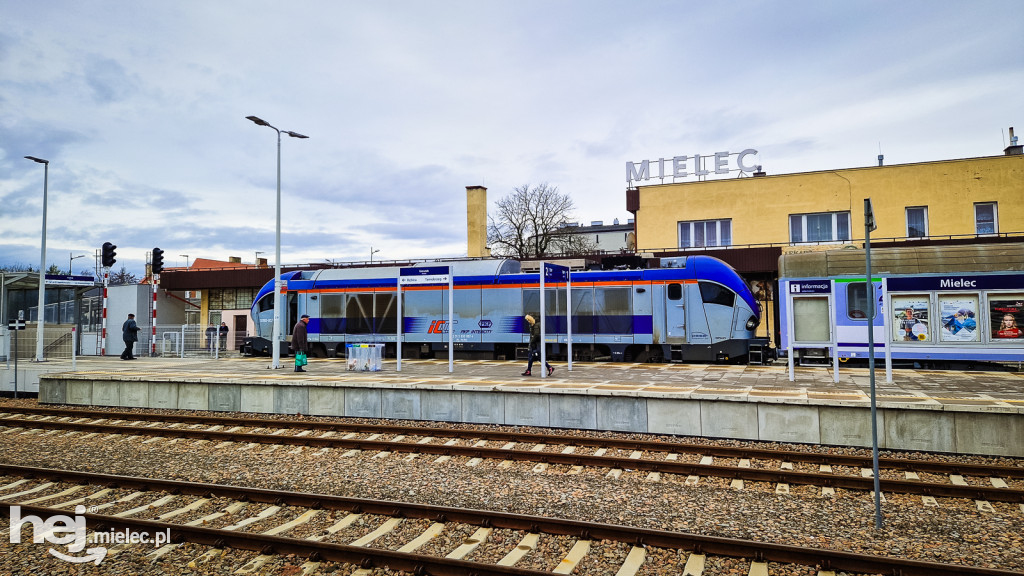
(927, 200)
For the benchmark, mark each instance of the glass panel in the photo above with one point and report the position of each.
(582, 311)
(1007, 314)
(711, 233)
(985, 218)
(698, 234)
(614, 314)
(712, 293)
(385, 314)
(796, 226)
(810, 320)
(910, 319)
(531, 306)
(916, 223)
(684, 235)
(359, 314)
(857, 304)
(726, 233)
(842, 225)
(819, 228)
(959, 318)
(332, 313)
(675, 291)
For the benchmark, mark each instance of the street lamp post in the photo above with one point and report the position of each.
(72, 259)
(372, 252)
(185, 256)
(42, 262)
(276, 344)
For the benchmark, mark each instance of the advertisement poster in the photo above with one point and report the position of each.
(1007, 315)
(910, 319)
(959, 319)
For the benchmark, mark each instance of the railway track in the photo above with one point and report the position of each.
(982, 483)
(327, 528)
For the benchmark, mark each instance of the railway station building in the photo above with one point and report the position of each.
(750, 221)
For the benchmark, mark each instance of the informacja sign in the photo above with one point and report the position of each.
(685, 166)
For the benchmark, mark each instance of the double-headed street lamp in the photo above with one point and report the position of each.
(276, 344)
(42, 262)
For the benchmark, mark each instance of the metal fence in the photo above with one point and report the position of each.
(188, 340)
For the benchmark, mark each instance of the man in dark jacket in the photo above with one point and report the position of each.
(299, 343)
(129, 333)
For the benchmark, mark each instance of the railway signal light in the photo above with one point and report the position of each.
(158, 260)
(108, 254)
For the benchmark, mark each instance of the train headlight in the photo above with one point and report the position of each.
(752, 323)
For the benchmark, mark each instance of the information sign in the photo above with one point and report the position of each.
(424, 275)
(555, 273)
(63, 280)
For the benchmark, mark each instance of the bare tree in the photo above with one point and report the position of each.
(123, 276)
(529, 223)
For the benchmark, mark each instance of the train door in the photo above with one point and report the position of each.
(675, 314)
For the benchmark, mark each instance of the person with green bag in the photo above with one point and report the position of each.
(299, 343)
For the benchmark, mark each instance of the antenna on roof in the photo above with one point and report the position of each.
(881, 157)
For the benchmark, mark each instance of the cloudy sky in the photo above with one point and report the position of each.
(140, 107)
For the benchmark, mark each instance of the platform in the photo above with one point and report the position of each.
(943, 411)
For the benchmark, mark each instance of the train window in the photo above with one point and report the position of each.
(675, 291)
(359, 314)
(582, 311)
(711, 293)
(266, 303)
(385, 316)
(332, 313)
(613, 310)
(332, 305)
(858, 305)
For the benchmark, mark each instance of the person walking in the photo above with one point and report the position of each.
(211, 337)
(299, 343)
(535, 344)
(129, 333)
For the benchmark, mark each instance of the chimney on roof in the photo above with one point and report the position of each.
(476, 222)
(235, 259)
(1013, 149)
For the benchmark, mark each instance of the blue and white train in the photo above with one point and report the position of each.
(696, 309)
(936, 305)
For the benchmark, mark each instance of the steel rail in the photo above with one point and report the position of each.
(664, 466)
(909, 464)
(723, 546)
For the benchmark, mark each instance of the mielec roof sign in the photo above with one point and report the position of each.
(686, 166)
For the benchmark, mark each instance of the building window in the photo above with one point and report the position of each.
(917, 222)
(820, 227)
(700, 233)
(986, 218)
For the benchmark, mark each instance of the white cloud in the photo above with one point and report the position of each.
(141, 109)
